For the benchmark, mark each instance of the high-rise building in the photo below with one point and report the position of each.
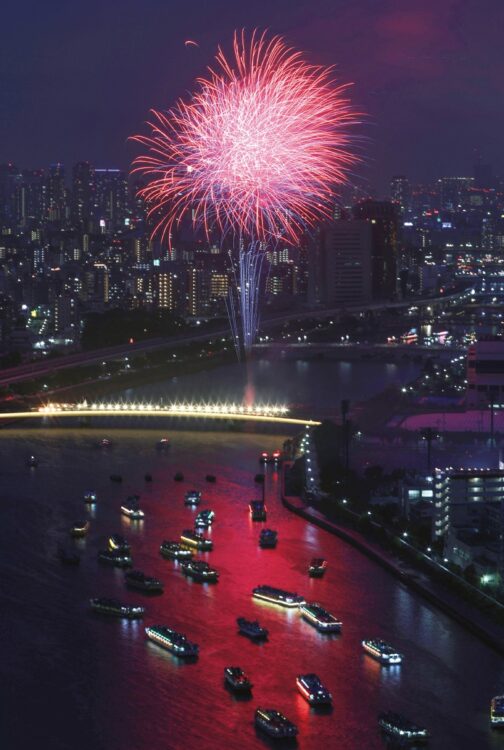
(83, 189)
(400, 192)
(55, 194)
(341, 270)
(111, 209)
(382, 218)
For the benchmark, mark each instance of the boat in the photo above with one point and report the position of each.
(116, 609)
(172, 641)
(163, 444)
(135, 579)
(178, 477)
(211, 478)
(118, 542)
(277, 596)
(90, 497)
(497, 712)
(237, 680)
(264, 457)
(317, 567)
(175, 551)
(320, 618)
(32, 462)
(192, 497)
(274, 723)
(196, 539)
(257, 510)
(402, 729)
(200, 571)
(259, 478)
(268, 539)
(311, 688)
(115, 478)
(68, 557)
(116, 557)
(251, 629)
(382, 651)
(79, 528)
(270, 458)
(204, 518)
(131, 508)
(105, 443)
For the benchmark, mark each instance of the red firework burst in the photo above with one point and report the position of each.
(258, 149)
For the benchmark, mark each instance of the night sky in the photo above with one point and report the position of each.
(76, 78)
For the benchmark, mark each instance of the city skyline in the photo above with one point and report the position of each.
(93, 74)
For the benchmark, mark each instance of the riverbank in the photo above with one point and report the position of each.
(489, 632)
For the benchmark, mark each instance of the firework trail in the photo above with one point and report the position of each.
(257, 151)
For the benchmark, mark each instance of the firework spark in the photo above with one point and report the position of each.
(257, 150)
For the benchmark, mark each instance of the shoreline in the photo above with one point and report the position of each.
(490, 633)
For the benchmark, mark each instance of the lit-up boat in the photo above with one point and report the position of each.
(195, 539)
(317, 567)
(320, 618)
(90, 498)
(402, 729)
(277, 596)
(497, 712)
(32, 462)
(274, 723)
(115, 557)
(237, 679)
(204, 518)
(135, 579)
(105, 443)
(175, 551)
(311, 688)
(251, 629)
(115, 608)
(163, 444)
(171, 641)
(200, 571)
(131, 508)
(268, 539)
(192, 497)
(382, 651)
(257, 510)
(118, 542)
(79, 528)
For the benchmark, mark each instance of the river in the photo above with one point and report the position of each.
(72, 680)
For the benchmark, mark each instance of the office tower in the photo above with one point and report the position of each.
(83, 190)
(54, 197)
(341, 268)
(400, 192)
(111, 210)
(64, 312)
(382, 219)
(196, 291)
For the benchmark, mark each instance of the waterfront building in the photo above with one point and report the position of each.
(485, 373)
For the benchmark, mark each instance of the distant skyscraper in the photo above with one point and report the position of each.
(111, 207)
(382, 218)
(83, 189)
(400, 192)
(55, 194)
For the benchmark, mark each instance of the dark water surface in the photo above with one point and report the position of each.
(72, 680)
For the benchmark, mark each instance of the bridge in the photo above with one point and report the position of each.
(273, 414)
